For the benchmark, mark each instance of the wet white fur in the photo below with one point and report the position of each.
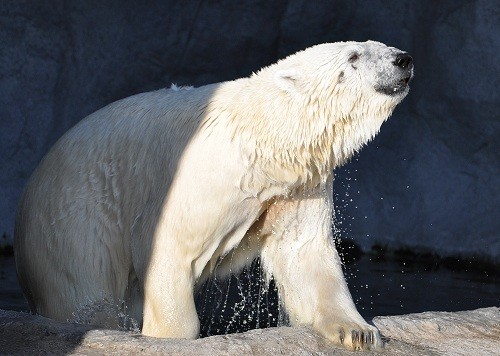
(140, 201)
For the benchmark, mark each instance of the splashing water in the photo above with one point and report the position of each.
(239, 304)
(106, 314)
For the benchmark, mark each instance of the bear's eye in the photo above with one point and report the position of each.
(353, 57)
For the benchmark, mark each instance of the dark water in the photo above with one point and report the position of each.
(391, 288)
(11, 297)
(378, 288)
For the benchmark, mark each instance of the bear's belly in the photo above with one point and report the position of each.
(226, 236)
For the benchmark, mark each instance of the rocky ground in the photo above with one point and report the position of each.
(474, 332)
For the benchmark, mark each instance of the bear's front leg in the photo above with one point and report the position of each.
(169, 308)
(299, 253)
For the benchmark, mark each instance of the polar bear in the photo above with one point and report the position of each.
(141, 201)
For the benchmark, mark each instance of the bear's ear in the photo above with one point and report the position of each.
(287, 80)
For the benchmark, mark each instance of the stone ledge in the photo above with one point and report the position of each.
(475, 332)
(430, 333)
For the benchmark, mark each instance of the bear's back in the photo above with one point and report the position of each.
(136, 139)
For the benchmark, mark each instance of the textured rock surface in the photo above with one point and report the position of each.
(431, 178)
(464, 333)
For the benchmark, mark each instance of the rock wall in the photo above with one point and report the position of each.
(429, 180)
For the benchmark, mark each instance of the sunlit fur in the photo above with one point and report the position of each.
(327, 118)
(139, 203)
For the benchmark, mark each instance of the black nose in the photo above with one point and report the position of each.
(403, 60)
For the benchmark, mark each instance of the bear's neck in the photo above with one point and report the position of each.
(316, 147)
(299, 145)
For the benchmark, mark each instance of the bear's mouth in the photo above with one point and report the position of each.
(397, 87)
(405, 81)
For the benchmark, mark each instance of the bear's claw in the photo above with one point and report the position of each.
(356, 337)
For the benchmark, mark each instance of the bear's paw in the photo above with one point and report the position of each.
(354, 336)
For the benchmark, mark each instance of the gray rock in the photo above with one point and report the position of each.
(431, 333)
(464, 333)
(429, 181)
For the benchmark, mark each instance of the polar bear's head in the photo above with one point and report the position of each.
(346, 88)
(320, 105)
(343, 71)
